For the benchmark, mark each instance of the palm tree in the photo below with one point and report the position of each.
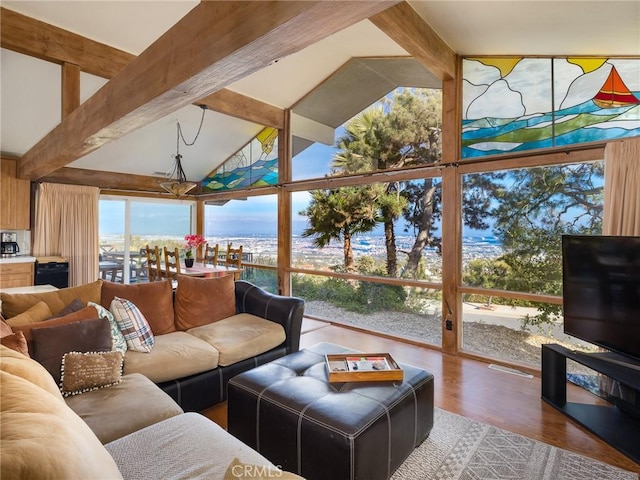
(401, 130)
(339, 214)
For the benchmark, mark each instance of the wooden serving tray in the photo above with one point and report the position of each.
(362, 367)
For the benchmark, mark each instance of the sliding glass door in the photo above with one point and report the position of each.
(127, 225)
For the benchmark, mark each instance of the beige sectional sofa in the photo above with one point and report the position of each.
(204, 333)
(42, 437)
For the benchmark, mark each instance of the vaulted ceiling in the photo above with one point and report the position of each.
(151, 62)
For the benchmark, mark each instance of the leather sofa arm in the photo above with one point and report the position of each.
(287, 311)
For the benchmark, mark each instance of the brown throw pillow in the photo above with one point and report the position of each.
(14, 341)
(5, 328)
(83, 372)
(74, 306)
(51, 343)
(17, 342)
(200, 301)
(153, 299)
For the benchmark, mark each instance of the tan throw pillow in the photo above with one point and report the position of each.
(87, 313)
(16, 303)
(153, 299)
(51, 343)
(200, 301)
(245, 471)
(83, 372)
(36, 313)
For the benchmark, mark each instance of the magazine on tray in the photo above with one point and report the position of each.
(367, 364)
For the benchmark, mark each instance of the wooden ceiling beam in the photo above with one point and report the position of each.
(106, 180)
(240, 106)
(212, 46)
(38, 39)
(404, 26)
(32, 37)
(70, 88)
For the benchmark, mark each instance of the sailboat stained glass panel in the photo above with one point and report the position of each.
(516, 104)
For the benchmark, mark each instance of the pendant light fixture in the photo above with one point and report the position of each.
(181, 185)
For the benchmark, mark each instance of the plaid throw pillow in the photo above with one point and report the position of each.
(133, 325)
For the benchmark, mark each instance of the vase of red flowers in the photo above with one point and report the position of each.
(192, 242)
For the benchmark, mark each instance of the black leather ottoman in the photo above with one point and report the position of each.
(289, 412)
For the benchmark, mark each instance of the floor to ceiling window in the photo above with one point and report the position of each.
(517, 249)
(367, 252)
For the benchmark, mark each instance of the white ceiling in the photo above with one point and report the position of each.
(30, 88)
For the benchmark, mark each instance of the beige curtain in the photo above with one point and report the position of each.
(622, 188)
(67, 225)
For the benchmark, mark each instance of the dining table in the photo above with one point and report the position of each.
(206, 270)
(109, 268)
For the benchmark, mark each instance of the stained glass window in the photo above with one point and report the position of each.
(516, 104)
(255, 165)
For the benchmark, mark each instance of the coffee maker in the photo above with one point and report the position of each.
(9, 245)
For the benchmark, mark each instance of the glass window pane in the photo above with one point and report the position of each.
(502, 328)
(111, 232)
(399, 131)
(162, 224)
(514, 221)
(128, 225)
(413, 313)
(111, 224)
(390, 229)
(252, 223)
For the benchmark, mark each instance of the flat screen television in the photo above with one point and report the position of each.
(601, 291)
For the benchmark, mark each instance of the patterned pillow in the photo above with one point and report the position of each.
(119, 343)
(133, 325)
(83, 372)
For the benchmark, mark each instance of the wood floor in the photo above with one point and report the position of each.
(468, 387)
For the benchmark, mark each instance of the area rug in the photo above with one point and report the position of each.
(459, 448)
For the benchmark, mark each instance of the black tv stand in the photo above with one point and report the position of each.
(613, 358)
(614, 426)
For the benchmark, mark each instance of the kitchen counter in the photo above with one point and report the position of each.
(32, 289)
(17, 259)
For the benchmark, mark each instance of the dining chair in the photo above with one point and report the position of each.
(211, 254)
(234, 259)
(153, 263)
(138, 271)
(172, 263)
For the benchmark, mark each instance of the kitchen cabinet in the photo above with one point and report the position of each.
(15, 197)
(18, 274)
